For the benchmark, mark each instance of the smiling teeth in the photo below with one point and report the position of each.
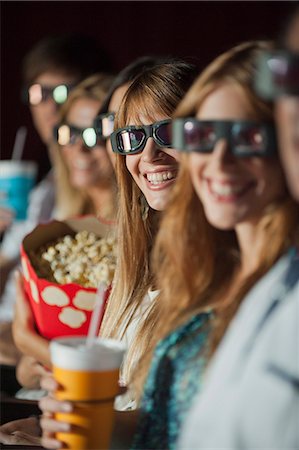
(225, 189)
(159, 177)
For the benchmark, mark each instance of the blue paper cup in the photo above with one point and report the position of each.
(17, 178)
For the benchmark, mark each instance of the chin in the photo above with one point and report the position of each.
(80, 183)
(157, 204)
(223, 226)
(222, 223)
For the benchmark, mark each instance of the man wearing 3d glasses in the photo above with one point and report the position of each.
(50, 70)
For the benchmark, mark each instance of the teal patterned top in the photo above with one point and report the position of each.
(173, 380)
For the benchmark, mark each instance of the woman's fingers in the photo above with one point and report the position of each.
(51, 405)
(49, 383)
(50, 425)
(51, 442)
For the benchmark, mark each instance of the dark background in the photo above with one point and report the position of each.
(125, 29)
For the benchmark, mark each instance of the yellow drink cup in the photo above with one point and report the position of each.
(88, 377)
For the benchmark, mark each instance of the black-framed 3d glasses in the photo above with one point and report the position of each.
(37, 93)
(65, 134)
(245, 138)
(277, 74)
(104, 125)
(132, 139)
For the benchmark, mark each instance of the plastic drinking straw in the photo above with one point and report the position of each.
(19, 144)
(97, 314)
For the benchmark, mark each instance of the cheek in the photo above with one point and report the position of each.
(175, 154)
(196, 165)
(110, 152)
(132, 165)
(67, 155)
(37, 114)
(276, 185)
(102, 157)
(269, 177)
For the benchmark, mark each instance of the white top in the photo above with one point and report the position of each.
(126, 401)
(250, 399)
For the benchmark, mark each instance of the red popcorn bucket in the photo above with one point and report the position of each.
(60, 309)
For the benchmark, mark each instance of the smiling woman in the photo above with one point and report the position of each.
(146, 173)
(84, 171)
(233, 189)
(229, 218)
(234, 199)
(153, 171)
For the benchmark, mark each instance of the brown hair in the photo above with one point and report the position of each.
(70, 54)
(156, 91)
(195, 271)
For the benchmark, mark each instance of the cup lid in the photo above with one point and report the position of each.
(71, 353)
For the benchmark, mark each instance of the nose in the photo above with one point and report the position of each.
(51, 108)
(51, 103)
(152, 152)
(222, 154)
(80, 147)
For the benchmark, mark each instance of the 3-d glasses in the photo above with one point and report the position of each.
(104, 125)
(37, 93)
(132, 139)
(277, 74)
(65, 134)
(245, 138)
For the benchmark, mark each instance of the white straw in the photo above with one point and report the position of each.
(19, 144)
(96, 315)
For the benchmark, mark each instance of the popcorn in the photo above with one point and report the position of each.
(84, 259)
(63, 264)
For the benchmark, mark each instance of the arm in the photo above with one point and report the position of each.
(25, 336)
(21, 432)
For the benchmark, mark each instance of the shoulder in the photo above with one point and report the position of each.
(282, 338)
(43, 188)
(267, 294)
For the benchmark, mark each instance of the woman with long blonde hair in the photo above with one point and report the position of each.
(146, 169)
(79, 192)
(145, 177)
(85, 184)
(229, 219)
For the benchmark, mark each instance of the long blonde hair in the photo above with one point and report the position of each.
(156, 91)
(71, 201)
(194, 262)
